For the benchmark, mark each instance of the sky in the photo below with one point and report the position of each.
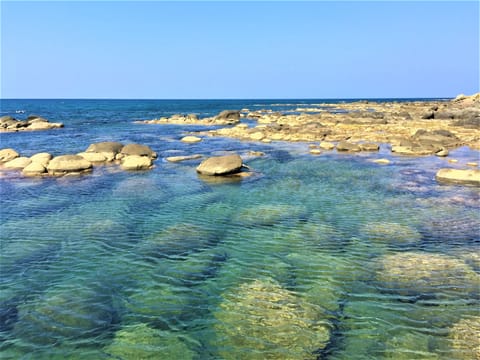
(246, 50)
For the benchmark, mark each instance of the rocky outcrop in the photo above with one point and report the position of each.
(457, 176)
(226, 117)
(220, 165)
(32, 123)
(65, 164)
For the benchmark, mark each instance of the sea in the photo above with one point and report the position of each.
(331, 256)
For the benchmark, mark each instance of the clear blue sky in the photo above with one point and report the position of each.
(153, 49)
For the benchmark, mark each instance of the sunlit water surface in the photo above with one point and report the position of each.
(313, 257)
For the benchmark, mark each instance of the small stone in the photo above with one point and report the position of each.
(472, 163)
(315, 151)
(191, 139)
(369, 147)
(326, 145)
(183, 158)
(455, 176)
(442, 153)
(382, 161)
(452, 160)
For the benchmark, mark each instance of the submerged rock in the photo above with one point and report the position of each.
(262, 320)
(456, 176)
(65, 313)
(143, 342)
(270, 214)
(426, 274)
(465, 339)
(391, 233)
(221, 165)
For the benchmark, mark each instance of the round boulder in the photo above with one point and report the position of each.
(191, 139)
(139, 150)
(63, 164)
(34, 169)
(220, 165)
(18, 163)
(41, 158)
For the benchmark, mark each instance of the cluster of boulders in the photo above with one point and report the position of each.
(31, 123)
(226, 117)
(401, 124)
(130, 157)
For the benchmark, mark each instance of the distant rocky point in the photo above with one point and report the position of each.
(226, 117)
(31, 123)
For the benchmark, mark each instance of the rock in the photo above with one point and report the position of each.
(220, 165)
(7, 155)
(136, 162)
(183, 158)
(326, 145)
(369, 147)
(426, 274)
(34, 169)
(315, 151)
(348, 146)
(257, 136)
(428, 115)
(456, 176)
(64, 164)
(41, 158)
(18, 163)
(391, 233)
(472, 163)
(139, 341)
(44, 125)
(139, 150)
(230, 115)
(382, 161)
(105, 146)
(464, 337)
(191, 139)
(264, 319)
(442, 153)
(93, 157)
(415, 150)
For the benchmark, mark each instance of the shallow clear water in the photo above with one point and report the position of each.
(293, 263)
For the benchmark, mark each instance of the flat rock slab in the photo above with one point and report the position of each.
(220, 165)
(183, 158)
(462, 177)
(191, 139)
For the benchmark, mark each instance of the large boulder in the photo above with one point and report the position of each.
(34, 169)
(18, 163)
(64, 164)
(7, 155)
(220, 165)
(457, 176)
(230, 115)
(41, 158)
(136, 162)
(139, 150)
(107, 149)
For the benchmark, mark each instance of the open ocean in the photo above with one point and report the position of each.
(291, 263)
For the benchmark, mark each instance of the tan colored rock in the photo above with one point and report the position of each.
(315, 151)
(456, 176)
(183, 158)
(220, 165)
(7, 155)
(44, 125)
(326, 145)
(34, 169)
(369, 147)
(41, 158)
(472, 163)
(382, 161)
(442, 153)
(191, 139)
(348, 146)
(136, 162)
(257, 136)
(93, 157)
(139, 150)
(63, 164)
(18, 163)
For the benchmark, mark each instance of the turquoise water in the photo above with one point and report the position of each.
(303, 260)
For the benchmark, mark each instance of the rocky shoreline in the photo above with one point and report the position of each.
(31, 123)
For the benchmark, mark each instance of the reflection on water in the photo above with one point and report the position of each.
(330, 257)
